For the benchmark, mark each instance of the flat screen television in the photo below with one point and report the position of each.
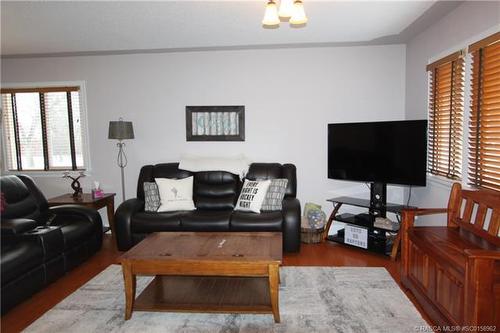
(389, 152)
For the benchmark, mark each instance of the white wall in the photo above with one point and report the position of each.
(290, 96)
(468, 23)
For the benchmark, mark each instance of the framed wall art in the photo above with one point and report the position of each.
(215, 123)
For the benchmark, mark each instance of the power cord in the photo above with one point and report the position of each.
(409, 197)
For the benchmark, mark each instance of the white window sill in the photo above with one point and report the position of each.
(48, 174)
(441, 181)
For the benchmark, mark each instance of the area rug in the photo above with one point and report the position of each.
(312, 299)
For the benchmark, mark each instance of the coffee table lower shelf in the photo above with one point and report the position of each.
(212, 294)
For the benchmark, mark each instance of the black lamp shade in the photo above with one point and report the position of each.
(121, 130)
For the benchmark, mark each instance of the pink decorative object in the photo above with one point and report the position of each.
(96, 191)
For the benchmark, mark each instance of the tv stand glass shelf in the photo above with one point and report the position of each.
(359, 230)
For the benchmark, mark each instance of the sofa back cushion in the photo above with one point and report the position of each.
(264, 171)
(212, 190)
(165, 170)
(218, 190)
(23, 199)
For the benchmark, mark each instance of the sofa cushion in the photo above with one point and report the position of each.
(215, 190)
(146, 222)
(206, 220)
(19, 258)
(247, 221)
(264, 171)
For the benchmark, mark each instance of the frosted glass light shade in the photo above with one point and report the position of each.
(271, 17)
(286, 8)
(299, 15)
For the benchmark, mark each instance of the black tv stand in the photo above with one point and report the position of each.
(377, 207)
(378, 199)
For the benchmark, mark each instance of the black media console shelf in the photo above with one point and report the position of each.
(378, 240)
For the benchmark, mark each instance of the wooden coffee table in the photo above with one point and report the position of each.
(231, 272)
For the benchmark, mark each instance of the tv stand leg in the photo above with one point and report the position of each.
(395, 246)
(330, 220)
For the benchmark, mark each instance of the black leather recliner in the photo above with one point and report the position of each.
(215, 194)
(40, 244)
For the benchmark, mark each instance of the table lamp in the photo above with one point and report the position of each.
(121, 130)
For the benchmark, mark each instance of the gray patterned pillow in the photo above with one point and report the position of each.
(274, 196)
(151, 197)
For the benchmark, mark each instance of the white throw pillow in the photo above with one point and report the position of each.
(252, 195)
(175, 194)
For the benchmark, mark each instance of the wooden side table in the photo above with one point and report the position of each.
(107, 200)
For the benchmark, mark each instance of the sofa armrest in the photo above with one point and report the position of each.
(19, 229)
(123, 216)
(13, 227)
(87, 213)
(291, 225)
(66, 212)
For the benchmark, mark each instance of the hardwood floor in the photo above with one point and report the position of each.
(325, 254)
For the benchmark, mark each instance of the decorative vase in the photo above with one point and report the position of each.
(316, 218)
(75, 184)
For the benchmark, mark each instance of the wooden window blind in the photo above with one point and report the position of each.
(446, 112)
(484, 125)
(42, 128)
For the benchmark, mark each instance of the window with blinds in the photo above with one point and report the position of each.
(484, 125)
(446, 110)
(42, 129)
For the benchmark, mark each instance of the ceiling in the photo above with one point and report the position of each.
(75, 28)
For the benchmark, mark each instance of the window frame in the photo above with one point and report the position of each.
(448, 57)
(477, 47)
(84, 128)
(437, 180)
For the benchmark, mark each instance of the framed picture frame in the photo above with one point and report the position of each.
(215, 123)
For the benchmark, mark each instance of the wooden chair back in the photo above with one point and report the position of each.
(475, 211)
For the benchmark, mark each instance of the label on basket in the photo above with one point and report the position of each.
(356, 236)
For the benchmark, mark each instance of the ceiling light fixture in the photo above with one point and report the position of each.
(286, 8)
(289, 10)
(299, 15)
(271, 17)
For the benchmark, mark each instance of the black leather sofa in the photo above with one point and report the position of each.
(40, 244)
(215, 194)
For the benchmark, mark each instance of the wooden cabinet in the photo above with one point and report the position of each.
(454, 271)
(443, 287)
(419, 267)
(449, 294)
